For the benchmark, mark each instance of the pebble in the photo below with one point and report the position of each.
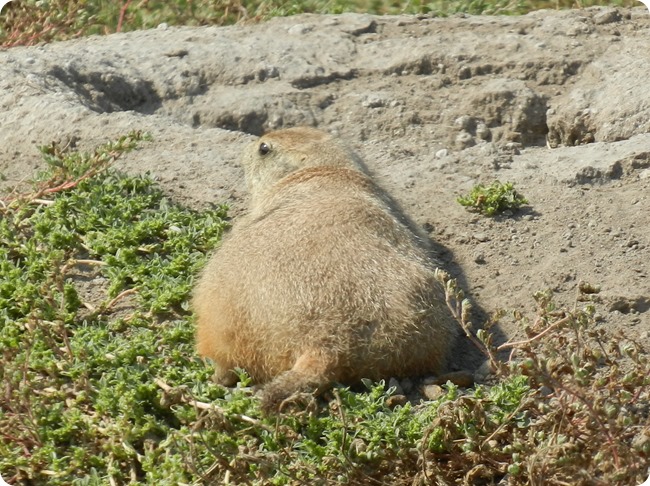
(432, 392)
(607, 17)
(396, 400)
(464, 72)
(465, 122)
(482, 131)
(407, 385)
(482, 237)
(545, 391)
(483, 371)
(394, 383)
(442, 153)
(300, 29)
(373, 101)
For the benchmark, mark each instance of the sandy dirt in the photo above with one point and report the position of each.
(555, 102)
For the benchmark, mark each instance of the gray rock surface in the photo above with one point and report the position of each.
(553, 101)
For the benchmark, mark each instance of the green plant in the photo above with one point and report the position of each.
(95, 272)
(493, 199)
(585, 418)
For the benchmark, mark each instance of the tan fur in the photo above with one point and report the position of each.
(324, 280)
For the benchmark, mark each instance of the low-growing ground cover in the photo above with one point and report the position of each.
(101, 384)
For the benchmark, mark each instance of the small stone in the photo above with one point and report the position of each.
(482, 237)
(299, 29)
(545, 391)
(396, 400)
(483, 132)
(442, 153)
(177, 53)
(407, 385)
(394, 383)
(464, 72)
(373, 101)
(465, 122)
(432, 392)
(483, 371)
(464, 140)
(607, 17)
(479, 258)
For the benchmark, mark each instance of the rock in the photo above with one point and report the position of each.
(483, 372)
(517, 112)
(396, 400)
(464, 140)
(394, 383)
(407, 385)
(432, 392)
(607, 17)
(482, 131)
(444, 152)
(601, 111)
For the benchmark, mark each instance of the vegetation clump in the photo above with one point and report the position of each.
(101, 384)
(494, 199)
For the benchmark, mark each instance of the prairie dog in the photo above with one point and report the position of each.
(325, 280)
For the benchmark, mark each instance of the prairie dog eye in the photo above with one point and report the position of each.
(264, 148)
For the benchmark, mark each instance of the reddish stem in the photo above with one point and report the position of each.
(122, 13)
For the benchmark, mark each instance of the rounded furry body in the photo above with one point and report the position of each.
(324, 280)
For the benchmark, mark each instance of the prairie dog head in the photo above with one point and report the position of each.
(277, 154)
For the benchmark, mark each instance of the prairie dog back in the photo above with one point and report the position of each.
(324, 280)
